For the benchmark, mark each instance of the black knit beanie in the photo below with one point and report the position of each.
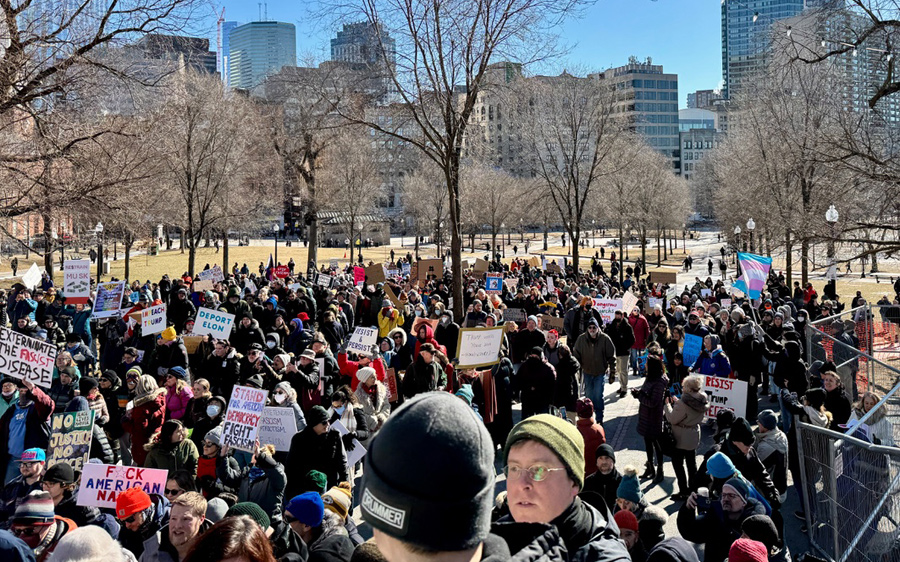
(741, 432)
(432, 439)
(317, 414)
(761, 528)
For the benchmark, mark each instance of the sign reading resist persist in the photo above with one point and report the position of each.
(362, 340)
(214, 323)
(242, 419)
(26, 358)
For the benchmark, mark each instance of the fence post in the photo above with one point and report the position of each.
(832, 476)
(805, 481)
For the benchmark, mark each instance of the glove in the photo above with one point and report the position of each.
(78, 357)
(348, 440)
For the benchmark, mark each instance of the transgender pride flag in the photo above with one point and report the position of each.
(756, 271)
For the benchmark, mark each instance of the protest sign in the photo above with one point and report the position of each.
(629, 301)
(389, 293)
(481, 266)
(726, 303)
(109, 299)
(607, 308)
(333, 264)
(250, 286)
(551, 323)
(32, 277)
(390, 381)
(358, 451)
(282, 272)
(655, 301)
(243, 417)
(405, 268)
(277, 427)
(705, 293)
(26, 358)
(191, 343)
(362, 340)
(153, 320)
(359, 275)
(534, 261)
(375, 273)
(514, 314)
(479, 347)
(213, 274)
(430, 269)
(553, 268)
(324, 280)
(550, 287)
(691, 350)
(512, 283)
(70, 438)
(662, 275)
(101, 484)
(77, 281)
(493, 283)
(726, 394)
(423, 321)
(392, 273)
(213, 323)
(203, 285)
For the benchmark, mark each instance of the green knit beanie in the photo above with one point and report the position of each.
(556, 434)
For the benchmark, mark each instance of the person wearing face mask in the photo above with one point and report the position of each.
(196, 406)
(284, 396)
(345, 408)
(447, 332)
(273, 345)
(262, 482)
(9, 394)
(213, 416)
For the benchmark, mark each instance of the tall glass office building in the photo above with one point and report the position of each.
(259, 49)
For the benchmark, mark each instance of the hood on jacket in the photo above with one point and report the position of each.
(400, 331)
(792, 350)
(698, 401)
(715, 341)
(429, 332)
(233, 291)
(274, 337)
(673, 549)
(390, 343)
(145, 385)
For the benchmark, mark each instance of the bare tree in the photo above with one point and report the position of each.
(425, 200)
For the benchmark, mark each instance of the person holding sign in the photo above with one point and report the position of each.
(712, 360)
(24, 426)
(59, 482)
(263, 482)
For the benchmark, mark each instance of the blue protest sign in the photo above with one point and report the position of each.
(692, 347)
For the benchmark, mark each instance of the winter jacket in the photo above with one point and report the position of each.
(713, 363)
(158, 548)
(37, 428)
(423, 377)
(839, 405)
(13, 494)
(144, 421)
(263, 485)
(593, 436)
(650, 413)
(603, 485)
(525, 341)
(596, 355)
(565, 392)
(387, 322)
(536, 383)
(641, 329)
(374, 407)
(183, 456)
(133, 541)
(772, 449)
(242, 337)
(429, 338)
(222, 372)
(170, 355)
(83, 516)
(177, 402)
(713, 528)
(685, 417)
(448, 335)
(309, 451)
(622, 335)
(333, 544)
(348, 369)
(100, 448)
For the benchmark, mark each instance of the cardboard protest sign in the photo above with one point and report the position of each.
(551, 323)
(101, 484)
(191, 343)
(277, 427)
(109, 299)
(607, 308)
(430, 269)
(493, 283)
(553, 268)
(389, 293)
(243, 417)
(32, 277)
(77, 281)
(629, 301)
(324, 280)
(375, 273)
(663, 275)
(512, 283)
(26, 358)
(213, 323)
(70, 438)
(362, 340)
(422, 321)
(213, 274)
(479, 347)
(153, 320)
(726, 394)
(358, 451)
(203, 285)
(691, 350)
(514, 314)
(390, 381)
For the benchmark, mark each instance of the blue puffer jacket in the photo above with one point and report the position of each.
(715, 364)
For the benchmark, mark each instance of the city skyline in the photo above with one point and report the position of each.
(683, 35)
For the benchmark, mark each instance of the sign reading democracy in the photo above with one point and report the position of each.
(726, 394)
(242, 419)
(213, 323)
(277, 427)
(153, 320)
(26, 358)
(607, 308)
(70, 440)
(77, 281)
(362, 340)
(479, 347)
(101, 484)
(109, 299)
(691, 350)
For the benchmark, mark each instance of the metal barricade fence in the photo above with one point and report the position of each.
(851, 495)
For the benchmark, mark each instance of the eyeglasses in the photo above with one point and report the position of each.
(173, 492)
(25, 531)
(537, 473)
(279, 393)
(129, 519)
(208, 444)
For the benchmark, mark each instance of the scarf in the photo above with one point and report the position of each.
(489, 388)
(575, 526)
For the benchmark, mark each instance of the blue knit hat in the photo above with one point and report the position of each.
(465, 392)
(179, 373)
(629, 488)
(720, 466)
(307, 508)
(37, 507)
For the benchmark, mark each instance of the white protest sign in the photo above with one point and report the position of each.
(358, 451)
(26, 358)
(252, 286)
(101, 484)
(153, 320)
(214, 323)
(333, 264)
(277, 427)
(479, 347)
(32, 277)
(726, 394)
(705, 293)
(550, 287)
(203, 285)
(213, 274)
(607, 308)
(324, 280)
(242, 419)
(109, 299)
(77, 281)
(362, 340)
(726, 303)
(629, 301)
(655, 301)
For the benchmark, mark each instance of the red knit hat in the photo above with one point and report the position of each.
(746, 550)
(131, 501)
(626, 520)
(584, 407)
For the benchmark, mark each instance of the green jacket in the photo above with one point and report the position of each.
(595, 355)
(183, 456)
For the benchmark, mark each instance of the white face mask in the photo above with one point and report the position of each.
(213, 411)
(280, 398)
(8, 394)
(270, 344)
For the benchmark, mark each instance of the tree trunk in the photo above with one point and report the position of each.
(546, 234)
(493, 244)
(874, 256)
(621, 255)
(225, 267)
(576, 240)
(192, 252)
(658, 249)
(182, 237)
(804, 261)
(788, 266)
(48, 244)
(455, 239)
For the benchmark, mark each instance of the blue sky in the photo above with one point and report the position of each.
(682, 35)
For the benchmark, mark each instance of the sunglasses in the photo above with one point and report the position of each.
(25, 531)
(129, 519)
(208, 444)
(173, 492)
(288, 518)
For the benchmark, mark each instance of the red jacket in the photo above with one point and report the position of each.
(641, 330)
(348, 369)
(429, 338)
(594, 436)
(144, 421)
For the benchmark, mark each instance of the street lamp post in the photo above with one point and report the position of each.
(440, 240)
(737, 247)
(275, 231)
(750, 227)
(99, 230)
(502, 226)
(593, 234)
(832, 216)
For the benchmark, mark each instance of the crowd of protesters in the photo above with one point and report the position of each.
(433, 433)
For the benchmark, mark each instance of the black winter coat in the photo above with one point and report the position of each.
(604, 486)
(650, 412)
(565, 393)
(422, 377)
(222, 373)
(309, 451)
(622, 335)
(536, 382)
